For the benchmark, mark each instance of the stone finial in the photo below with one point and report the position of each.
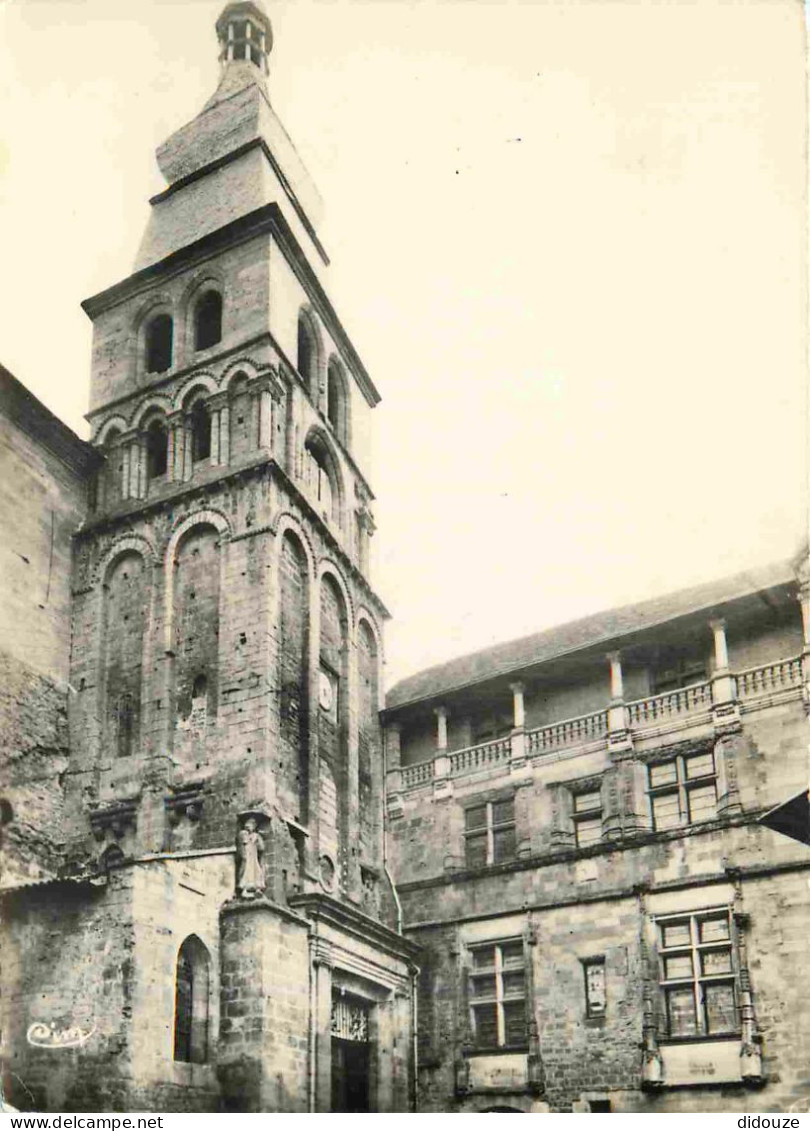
(245, 35)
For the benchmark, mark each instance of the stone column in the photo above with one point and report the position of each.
(188, 443)
(132, 466)
(441, 763)
(518, 737)
(140, 446)
(392, 736)
(225, 434)
(214, 433)
(352, 831)
(441, 714)
(804, 599)
(725, 764)
(401, 1053)
(322, 1025)
(265, 436)
(561, 835)
(751, 1044)
(725, 709)
(619, 738)
(124, 471)
(177, 423)
(624, 795)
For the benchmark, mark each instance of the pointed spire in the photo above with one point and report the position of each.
(245, 35)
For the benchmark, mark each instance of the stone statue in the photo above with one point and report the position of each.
(249, 866)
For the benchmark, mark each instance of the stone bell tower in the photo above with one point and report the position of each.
(228, 642)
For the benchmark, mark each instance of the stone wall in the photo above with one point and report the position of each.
(43, 499)
(571, 904)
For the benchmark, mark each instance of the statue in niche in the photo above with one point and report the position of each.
(249, 865)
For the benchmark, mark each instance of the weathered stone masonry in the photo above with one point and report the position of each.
(613, 861)
(226, 647)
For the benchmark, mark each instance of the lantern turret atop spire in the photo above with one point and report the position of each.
(245, 35)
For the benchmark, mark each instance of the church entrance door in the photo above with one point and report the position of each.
(351, 1054)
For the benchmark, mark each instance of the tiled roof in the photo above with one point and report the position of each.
(27, 412)
(599, 628)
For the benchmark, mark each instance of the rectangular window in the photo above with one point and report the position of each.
(679, 673)
(489, 833)
(587, 818)
(697, 974)
(595, 996)
(497, 994)
(683, 791)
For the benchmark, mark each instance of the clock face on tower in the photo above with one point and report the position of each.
(325, 691)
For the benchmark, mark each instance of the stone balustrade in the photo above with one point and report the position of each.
(480, 756)
(684, 700)
(419, 774)
(752, 683)
(781, 675)
(568, 732)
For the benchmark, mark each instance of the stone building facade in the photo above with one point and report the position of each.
(574, 828)
(214, 926)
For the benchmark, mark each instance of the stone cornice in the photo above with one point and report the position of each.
(323, 908)
(263, 464)
(213, 166)
(290, 374)
(265, 220)
(553, 858)
(629, 891)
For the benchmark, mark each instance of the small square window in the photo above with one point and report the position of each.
(587, 806)
(595, 989)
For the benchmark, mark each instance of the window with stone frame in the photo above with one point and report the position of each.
(587, 815)
(489, 832)
(698, 974)
(595, 993)
(191, 1002)
(497, 994)
(159, 343)
(682, 790)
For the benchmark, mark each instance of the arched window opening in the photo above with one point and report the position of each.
(157, 448)
(200, 432)
(159, 335)
(208, 320)
(199, 688)
(321, 482)
(6, 812)
(191, 1003)
(307, 355)
(93, 492)
(126, 725)
(336, 401)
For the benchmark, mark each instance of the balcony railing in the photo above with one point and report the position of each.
(585, 728)
(696, 697)
(418, 774)
(751, 684)
(778, 676)
(478, 757)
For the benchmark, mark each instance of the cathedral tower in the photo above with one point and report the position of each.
(232, 937)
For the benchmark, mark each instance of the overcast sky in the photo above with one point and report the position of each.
(568, 240)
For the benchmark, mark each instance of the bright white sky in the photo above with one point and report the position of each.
(568, 239)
